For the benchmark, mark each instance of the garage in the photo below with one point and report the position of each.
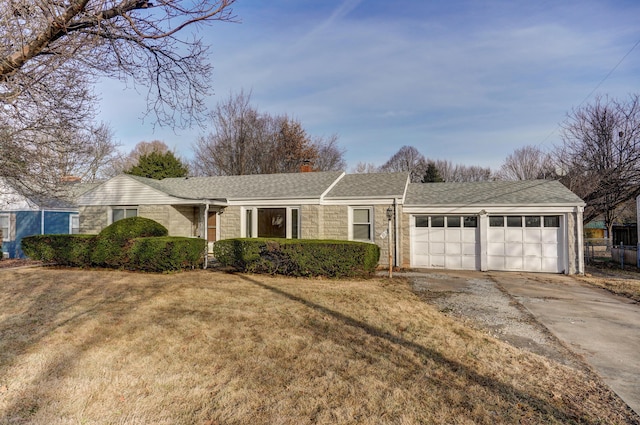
(448, 242)
(531, 243)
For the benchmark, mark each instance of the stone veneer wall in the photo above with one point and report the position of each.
(573, 244)
(230, 221)
(311, 225)
(335, 220)
(93, 219)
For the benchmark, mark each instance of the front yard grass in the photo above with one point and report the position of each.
(617, 281)
(204, 347)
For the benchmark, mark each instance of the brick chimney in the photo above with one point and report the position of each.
(306, 166)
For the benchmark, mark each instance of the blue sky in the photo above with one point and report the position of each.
(465, 81)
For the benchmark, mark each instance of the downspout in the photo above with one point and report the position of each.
(42, 221)
(206, 235)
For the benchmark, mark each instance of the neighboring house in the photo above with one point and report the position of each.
(519, 226)
(22, 216)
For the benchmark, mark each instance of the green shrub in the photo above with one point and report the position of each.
(65, 250)
(298, 257)
(111, 244)
(161, 254)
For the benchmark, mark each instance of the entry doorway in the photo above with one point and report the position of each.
(212, 228)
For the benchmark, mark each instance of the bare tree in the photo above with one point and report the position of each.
(244, 141)
(600, 155)
(365, 167)
(527, 163)
(407, 159)
(450, 172)
(53, 51)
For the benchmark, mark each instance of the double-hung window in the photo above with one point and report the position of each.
(362, 224)
(4, 227)
(123, 212)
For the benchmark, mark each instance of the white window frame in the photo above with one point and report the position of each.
(72, 218)
(253, 232)
(122, 207)
(370, 223)
(6, 236)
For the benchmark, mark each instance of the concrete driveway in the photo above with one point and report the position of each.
(556, 316)
(601, 327)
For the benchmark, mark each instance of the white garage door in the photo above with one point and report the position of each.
(525, 243)
(447, 242)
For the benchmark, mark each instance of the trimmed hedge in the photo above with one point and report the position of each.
(160, 254)
(134, 243)
(110, 249)
(65, 250)
(298, 257)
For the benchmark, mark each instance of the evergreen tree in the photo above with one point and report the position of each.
(431, 174)
(159, 166)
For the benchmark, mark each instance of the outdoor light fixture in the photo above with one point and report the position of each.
(389, 213)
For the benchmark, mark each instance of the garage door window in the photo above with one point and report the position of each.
(532, 221)
(514, 221)
(422, 221)
(496, 221)
(437, 221)
(470, 221)
(453, 221)
(552, 221)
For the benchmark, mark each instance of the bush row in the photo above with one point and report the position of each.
(133, 244)
(298, 257)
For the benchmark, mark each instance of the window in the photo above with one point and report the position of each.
(362, 224)
(74, 224)
(248, 223)
(514, 221)
(437, 221)
(4, 226)
(124, 212)
(267, 222)
(272, 222)
(295, 231)
(552, 221)
(532, 221)
(496, 221)
(422, 221)
(453, 221)
(470, 221)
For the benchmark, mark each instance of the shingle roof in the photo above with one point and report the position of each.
(257, 186)
(491, 193)
(381, 185)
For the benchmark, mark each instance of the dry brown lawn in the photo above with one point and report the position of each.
(204, 347)
(621, 282)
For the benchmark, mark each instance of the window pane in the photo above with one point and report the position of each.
(471, 222)
(437, 221)
(118, 214)
(496, 221)
(272, 223)
(552, 221)
(453, 221)
(361, 215)
(248, 223)
(532, 221)
(131, 213)
(294, 224)
(514, 221)
(422, 221)
(361, 232)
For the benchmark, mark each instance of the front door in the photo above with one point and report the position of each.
(211, 227)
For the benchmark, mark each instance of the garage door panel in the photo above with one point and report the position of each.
(514, 263)
(549, 250)
(495, 248)
(533, 263)
(532, 235)
(513, 235)
(453, 249)
(436, 235)
(550, 236)
(551, 265)
(532, 249)
(437, 248)
(470, 249)
(513, 249)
